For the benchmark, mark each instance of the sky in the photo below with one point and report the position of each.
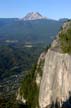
(54, 9)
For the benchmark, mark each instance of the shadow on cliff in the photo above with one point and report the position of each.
(65, 104)
(24, 106)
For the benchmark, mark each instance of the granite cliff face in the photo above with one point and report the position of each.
(56, 79)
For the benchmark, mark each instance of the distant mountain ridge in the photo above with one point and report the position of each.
(33, 16)
(32, 28)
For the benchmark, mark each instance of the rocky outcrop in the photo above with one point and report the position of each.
(19, 97)
(56, 78)
(34, 16)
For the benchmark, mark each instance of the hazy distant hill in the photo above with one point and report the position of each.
(38, 30)
(5, 21)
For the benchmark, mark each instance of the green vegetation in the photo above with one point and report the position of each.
(40, 67)
(34, 31)
(65, 40)
(8, 103)
(14, 60)
(29, 89)
(46, 49)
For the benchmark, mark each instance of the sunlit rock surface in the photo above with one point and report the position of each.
(56, 80)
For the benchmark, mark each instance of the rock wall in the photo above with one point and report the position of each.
(56, 79)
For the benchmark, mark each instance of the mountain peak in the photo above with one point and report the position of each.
(33, 16)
